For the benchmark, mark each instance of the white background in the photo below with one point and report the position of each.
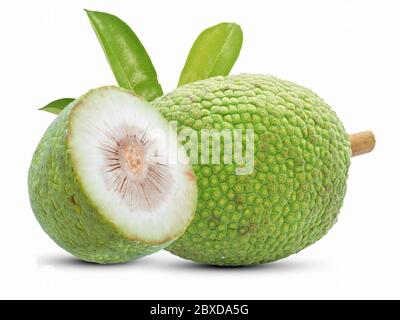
(346, 51)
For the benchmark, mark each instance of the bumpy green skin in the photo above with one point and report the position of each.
(65, 212)
(293, 197)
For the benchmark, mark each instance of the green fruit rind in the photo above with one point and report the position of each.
(293, 196)
(64, 209)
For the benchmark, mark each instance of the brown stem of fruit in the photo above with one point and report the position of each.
(362, 142)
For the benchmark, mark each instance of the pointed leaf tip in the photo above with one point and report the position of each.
(57, 106)
(214, 53)
(127, 57)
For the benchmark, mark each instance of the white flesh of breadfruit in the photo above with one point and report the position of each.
(126, 169)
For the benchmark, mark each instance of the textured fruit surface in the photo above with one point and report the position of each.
(293, 196)
(73, 210)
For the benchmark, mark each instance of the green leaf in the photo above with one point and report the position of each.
(126, 55)
(214, 53)
(57, 105)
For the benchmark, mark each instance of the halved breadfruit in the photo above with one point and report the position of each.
(108, 181)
